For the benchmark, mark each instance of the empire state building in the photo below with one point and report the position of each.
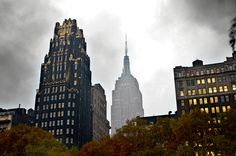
(126, 97)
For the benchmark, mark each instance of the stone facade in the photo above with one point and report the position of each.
(126, 98)
(210, 88)
(99, 104)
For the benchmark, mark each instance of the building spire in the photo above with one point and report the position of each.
(126, 48)
(126, 68)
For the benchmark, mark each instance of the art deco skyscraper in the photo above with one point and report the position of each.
(126, 98)
(63, 100)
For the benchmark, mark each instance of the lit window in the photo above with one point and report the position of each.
(195, 101)
(71, 140)
(75, 82)
(67, 140)
(216, 99)
(181, 93)
(228, 108)
(182, 102)
(203, 81)
(206, 110)
(62, 105)
(213, 110)
(205, 100)
(225, 88)
(213, 80)
(190, 102)
(224, 109)
(68, 113)
(68, 121)
(72, 131)
(204, 91)
(36, 125)
(199, 91)
(72, 122)
(67, 131)
(217, 109)
(210, 90)
(201, 101)
(73, 113)
(214, 89)
(68, 104)
(73, 105)
(211, 100)
(209, 80)
(69, 95)
(233, 87)
(189, 92)
(193, 92)
(202, 109)
(198, 82)
(220, 89)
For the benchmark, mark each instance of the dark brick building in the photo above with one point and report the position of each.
(63, 100)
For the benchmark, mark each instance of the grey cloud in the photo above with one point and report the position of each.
(23, 24)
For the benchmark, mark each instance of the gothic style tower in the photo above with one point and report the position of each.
(63, 100)
(126, 98)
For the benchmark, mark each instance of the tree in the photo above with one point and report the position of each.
(24, 140)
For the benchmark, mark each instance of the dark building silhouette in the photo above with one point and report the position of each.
(210, 88)
(99, 104)
(15, 116)
(126, 97)
(63, 100)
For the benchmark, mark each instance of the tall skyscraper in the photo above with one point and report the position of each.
(210, 88)
(63, 100)
(99, 104)
(126, 98)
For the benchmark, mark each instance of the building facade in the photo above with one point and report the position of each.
(210, 88)
(126, 97)
(63, 100)
(99, 104)
(15, 116)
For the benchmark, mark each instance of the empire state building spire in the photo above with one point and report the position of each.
(126, 68)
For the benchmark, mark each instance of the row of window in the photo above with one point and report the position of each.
(208, 100)
(210, 90)
(56, 123)
(207, 71)
(213, 110)
(56, 97)
(56, 114)
(56, 105)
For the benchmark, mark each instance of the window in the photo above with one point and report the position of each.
(189, 92)
(220, 88)
(190, 101)
(68, 104)
(198, 82)
(195, 101)
(216, 99)
(193, 92)
(199, 91)
(211, 100)
(203, 81)
(68, 121)
(72, 122)
(67, 131)
(73, 104)
(181, 93)
(205, 101)
(73, 113)
(226, 98)
(68, 113)
(217, 109)
(67, 140)
(204, 91)
(182, 102)
(201, 101)
(225, 88)
(71, 140)
(206, 110)
(75, 83)
(228, 108)
(214, 89)
(202, 109)
(69, 95)
(213, 80)
(222, 99)
(213, 110)
(209, 80)
(210, 90)
(233, 87)
(224, 109)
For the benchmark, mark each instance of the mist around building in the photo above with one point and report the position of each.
(70, 113)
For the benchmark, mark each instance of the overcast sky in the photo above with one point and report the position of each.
(162, 34)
